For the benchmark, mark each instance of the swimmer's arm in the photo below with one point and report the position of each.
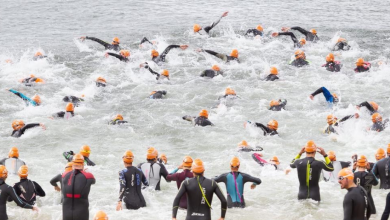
(203, 74)
(189, 118)
(58, 115)
(163, 172)
(337, 46)
(303, 31)
(346, 118)
(89, 162)
(294, 161)
(145, 40)
(176, 202)
(122, 185)
(249, 178)
(22, 96)
(55, 180)
(348, 208)
(222, 198)
(292, 35)
(105, 44)
(208, 28)
(367, 105)
(327, 165)
(117, 56)
(28, 126)
(68, 155)
(11, 192)
(173, 175)
(166, 51)
(152, 71)
(221, 178)
(211, 52)
(375, 171)
(318, 91)
(38, 189)
(3, 161)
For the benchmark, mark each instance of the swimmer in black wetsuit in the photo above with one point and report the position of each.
(233, 55)
(19, 127)
(66, 115)
(371, 106)
(159, 59)
(26, 189)
(244, 147)
(202, 120)
(273, 74)
(362, 66)
(229, 93)
(130, 181)
(197, 28)
(333, 122)
(73, 99)
(164, 74)
(199, 192)
(30, 80)
(381, 170)
(341, 44)
(235, 182)
(255, 32)
(85, 151)
(332, 65)
(122, 56)
(153, 170)
(8, 192)
(213, 72)
(58, 178)
(146, 40)
(378, 124)
(277, 105)
(356, 204)
(330, 98)
(297, 44)
(113, 46)
(38, 56)
(101, 82)
(308, 185)
(34, 101)
(365, 179)
(118, 120)
(270, 129)
(310, 35)
(76, 185)
(158, 94)
(300, 59)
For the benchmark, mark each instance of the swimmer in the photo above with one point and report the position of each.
(333, 122)
(26, 189)
(163, 75)
(38, 56)
(332, 65)
(229, 94)
(159, 59)
(113, 46)
(342, 44)
(365, 179)
(162, 159)
(371, 106)
(274, 161)
(378, 125)
(19, 127)
(310, 35)
(273, 74)
(235, 182)
(8, 192)
(297, 44)
(30, 81)
(100, 215)
(197, 28)
(258, 31)
(362, 66)
(34, 101)
(146, 40)
(13, 163)
(356, 204)
(85, 151)
(380, 169)
(199, 192)
(122, 56)
(101, 82)
(244, 147)
(130, 182)
(233, 55)
(182, 176)
(309, 171)
(201, 120)
(300, 59)
(69, 112)
(278, 105)
(58, 178)
(118, 120)
(73, 99)
(158, 94)
(76, 187)
(330, 98)
(153, 170)
(270, 129)
(337, 166)
(213, 72)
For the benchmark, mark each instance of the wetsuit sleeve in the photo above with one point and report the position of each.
(68, 155)
(166, 51)
(3, 161)
(367, 105)
(38, 189)
(303, 31)
(28, 126)
(105, 44)
(327, 165)
(122, 184)
(22, 96)
(55, 180)
(172, 177)
(212, 52)
(283, 103)
(221, 178)
(292, 35)
(346, 118)
(59, 114)
(345, 164)
(117, 56)
(89, 162)
(249, 178)
(263, 127)
(294, 161)
(16, 199)
(375, 171)
(176, 202)
(208, 28)
(163, 172)
(203, 74)
(222, 198)
(145, 40)
(318, 91)
(152, 71)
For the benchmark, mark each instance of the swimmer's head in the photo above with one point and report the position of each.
(38, 54)
(243, 144)
(376, 117)
(154, 53)
(37, 99)
(204, 113)
(3, 172)
(165, 73)
(331, 119)
(380, 154)
(374, 106)
(23, 172)
(345, 177)
(128, 157)
(275, 160)
(313, 31)
(259, 28)
(85, 151)
(69, 107)
(118, 117)
(229, 91)
(17, 124)
(78, 162)
(187, 162)
(124, 53)
(151, 154)
(198, 167)
(234, 53)
(115, 41)
(273, 70)
(69, 167)
(39, 80)
(197, 28)
(215, 68)
(330, 57)
(100, 215)
(234, 164)
(273, 103)
(302, 41)
(331, 155)
(341, 40)
(310, 147)
(360, 62)
(362, 161)
(273, 124)
(13, 152)
(101, 80)
(299, 54)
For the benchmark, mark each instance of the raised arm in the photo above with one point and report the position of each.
(303, 31)
(98, 40)
(145, 40)
(166, 51)
(291, 34)
(208, 28)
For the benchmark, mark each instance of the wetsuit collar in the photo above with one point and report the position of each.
(2, 182)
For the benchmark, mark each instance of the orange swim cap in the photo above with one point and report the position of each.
(85, 151)
(125, 53)
(13, 152)
(234, 53)
(273, 124)
(3, 172)
(197, 28)
(215, 67)
(198, 166)
(187, 161)
(128, 157)
(332, 155)
(115, 41)
(23, 172)
(259, 28)
(151, 154)
(204, 113)
(310, 147)
(274, 70)
(154, 53)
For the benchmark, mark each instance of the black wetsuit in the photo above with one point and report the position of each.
(69, 157)
(27, 190)
(153, 173)
(249, 149)
(293, 38)
(366, 180)
(381, 170)
(202, 121)
(61, 114)
(153, 72)
(309, 36)
(356, 205)
(333, 66)
(368, 106)
(266, 130)
(364, 68)
(73, 99)
(130, 181)
(161, 58)
(271, 77)
(235, 187)
(330, 128)
(197, 206)
(158, 95)
(20, 132)
(117, 122)
(56, 179)
(6, 192)
(341, 46)
(254, 32)
(210, 73)
(29, 81)
(386, 212)
(379, 126)
(299, 62)
(223, 57)
(120, 57)
(106, 45)
(207, 29)
(100, 84)
(282, 105)
(76, 185)
(308, 185)
(145, 40)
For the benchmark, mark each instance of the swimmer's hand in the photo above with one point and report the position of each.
(357, 115)
(35, 209)
(183, 47)
(322, 151)
(143, 65)
(42, 126)
(119, 206)
(287, 171)
(106, 55)
(275, 34)
(199, 50)
(82, 38)
(188, 118)
(56, 188)
(225, 14)
(302, 151)
(253, 186)
(311, 97)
